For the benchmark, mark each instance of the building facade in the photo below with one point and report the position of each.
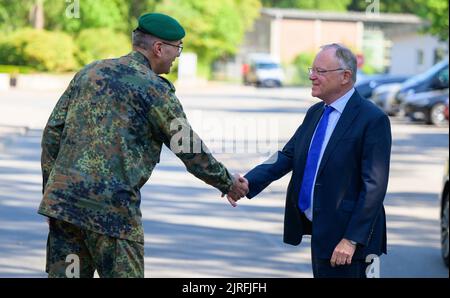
(387, 42)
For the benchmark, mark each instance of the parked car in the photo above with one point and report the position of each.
(427, 106)
(436, 78)
(444, 216)
(361, 76)
(366, 86)
(384, 96)
(262, 70)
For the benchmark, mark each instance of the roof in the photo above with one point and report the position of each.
(351, 16)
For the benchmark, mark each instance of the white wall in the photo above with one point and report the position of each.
(404, 53)
(42, 81)
(4, 81)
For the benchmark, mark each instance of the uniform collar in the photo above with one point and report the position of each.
(140, 58)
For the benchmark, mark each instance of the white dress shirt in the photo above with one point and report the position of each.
(338, 106)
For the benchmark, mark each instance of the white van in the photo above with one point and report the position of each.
(262, 70)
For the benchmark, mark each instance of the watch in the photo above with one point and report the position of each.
(353, 242)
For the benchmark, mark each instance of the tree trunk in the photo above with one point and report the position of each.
(37, 15)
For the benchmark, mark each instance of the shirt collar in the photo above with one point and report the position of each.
(339, 104)
(140, 58)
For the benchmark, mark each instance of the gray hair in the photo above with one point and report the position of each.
(142, 40)
(345, 57)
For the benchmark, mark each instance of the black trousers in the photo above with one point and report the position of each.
(322, 267)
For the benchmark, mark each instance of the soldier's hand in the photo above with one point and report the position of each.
(231, 200)
(240, 187)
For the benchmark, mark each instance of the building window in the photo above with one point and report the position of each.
(439, 54)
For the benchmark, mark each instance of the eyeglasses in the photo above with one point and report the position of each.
(180, 47)
(321, 71)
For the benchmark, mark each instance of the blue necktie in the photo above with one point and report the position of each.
(304, 198)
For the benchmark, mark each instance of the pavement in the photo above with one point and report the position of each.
(189, 230)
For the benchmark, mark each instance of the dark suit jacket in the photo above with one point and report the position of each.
(351, 181)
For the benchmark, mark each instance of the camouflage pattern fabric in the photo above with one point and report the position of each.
(111, 257)
(102, 141)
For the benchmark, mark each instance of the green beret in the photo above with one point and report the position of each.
(161, 25)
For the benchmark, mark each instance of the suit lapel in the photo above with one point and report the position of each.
(348, 115)
(309, 131)
(304, 142)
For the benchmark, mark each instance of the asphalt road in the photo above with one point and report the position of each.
(189, 230)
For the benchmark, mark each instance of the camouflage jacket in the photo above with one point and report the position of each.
(102, 141)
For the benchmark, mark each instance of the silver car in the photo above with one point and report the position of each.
(384, 96)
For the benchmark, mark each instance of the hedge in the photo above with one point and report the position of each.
(39, 49)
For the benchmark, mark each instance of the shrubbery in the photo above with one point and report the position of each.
(301, 63)
(100, 43)
(39, 49)
(370, 69)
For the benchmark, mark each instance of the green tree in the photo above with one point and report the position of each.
(433, 11)
(138, 7)
(114, 44)
(213, 28)
(14, 14)
(114, 14)
(72, 18)
(436, 12)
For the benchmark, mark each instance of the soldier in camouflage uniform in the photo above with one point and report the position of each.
(100, 145)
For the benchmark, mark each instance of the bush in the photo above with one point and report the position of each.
(15, 69)
(100, 43)
(301, 63)
(370, 69)
(39, 49)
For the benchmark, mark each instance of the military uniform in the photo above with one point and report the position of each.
(99, 147)
(111, 257)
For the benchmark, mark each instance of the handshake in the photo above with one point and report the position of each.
(238, 190)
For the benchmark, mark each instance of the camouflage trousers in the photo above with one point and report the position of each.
(75, 252)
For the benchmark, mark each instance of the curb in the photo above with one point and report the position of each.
(7, 132)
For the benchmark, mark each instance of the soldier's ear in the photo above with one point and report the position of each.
(157, 48)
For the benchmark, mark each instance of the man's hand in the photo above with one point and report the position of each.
(343, 253)
(238, 190)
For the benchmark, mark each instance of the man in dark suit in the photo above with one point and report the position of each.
(339, 158)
